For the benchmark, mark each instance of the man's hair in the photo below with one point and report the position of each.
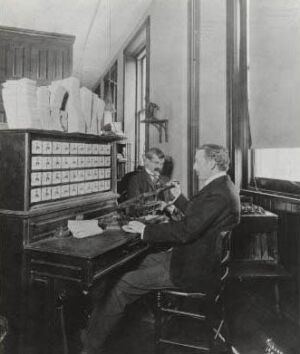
(154, 151)
(217, 153)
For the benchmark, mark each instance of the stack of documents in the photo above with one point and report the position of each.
(86, 99)
(84, 228)
(97, 114)
(29, 106)
(43, 107)
(57, 95)
(76, 122)
(100, 113)
(20, 103)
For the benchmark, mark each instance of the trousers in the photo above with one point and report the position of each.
(152, 273)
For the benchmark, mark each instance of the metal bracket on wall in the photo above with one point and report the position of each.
(160, 124)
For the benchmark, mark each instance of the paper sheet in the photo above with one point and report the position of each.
(84, 228)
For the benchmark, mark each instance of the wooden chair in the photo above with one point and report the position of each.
(272, 272)
(205, 308)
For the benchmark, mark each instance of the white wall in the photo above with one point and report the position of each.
(168, 78)
(169, 72)
(212, 72)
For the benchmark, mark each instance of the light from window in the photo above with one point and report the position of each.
(141, 104)
(282, 164)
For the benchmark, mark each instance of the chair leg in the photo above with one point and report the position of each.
(158, 322)
(277, 299)
(63, 329)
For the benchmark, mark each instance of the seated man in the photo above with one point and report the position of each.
(190, 262)
(148, 178)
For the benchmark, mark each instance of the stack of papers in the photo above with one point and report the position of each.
(56, 99)
(43, 107)
(84, 228)
(86, 97)
(100, 113)
(20, 103)
(94, 115)
(29, 106)
(76, 122)
(97, 114)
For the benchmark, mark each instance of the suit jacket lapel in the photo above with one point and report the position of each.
(149, 180)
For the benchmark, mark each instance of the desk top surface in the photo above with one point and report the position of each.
(89, 247)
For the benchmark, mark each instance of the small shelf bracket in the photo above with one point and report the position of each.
(160, 124)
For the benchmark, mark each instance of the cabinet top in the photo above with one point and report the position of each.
(12, 31)
(58, 134)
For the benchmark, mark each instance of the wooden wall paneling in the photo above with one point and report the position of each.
(69, 60)
(4, 60)
(59, 64)
(42, 65)
(33, 62)
(18, 52)
(52, 64)
(39, 56)
(64, 59)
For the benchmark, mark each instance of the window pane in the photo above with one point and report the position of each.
(283, 164)
(141, 104)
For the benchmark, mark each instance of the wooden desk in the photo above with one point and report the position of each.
(255, 251)
(76, 261)
(255, 238)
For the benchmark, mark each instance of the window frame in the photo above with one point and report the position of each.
(242, 156)
(141, 98)
(111, 80)
(139, 43)
(271, 185)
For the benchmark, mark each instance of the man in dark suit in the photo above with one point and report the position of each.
(148, 178)
(190, 263)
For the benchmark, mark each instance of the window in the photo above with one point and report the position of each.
(111, 90)
(283, 164)
(136, 93)
(265, 64)
(276, 170)
(141, 104)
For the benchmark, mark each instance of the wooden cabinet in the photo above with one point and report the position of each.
(255, 238)
(39, 56)
(39, 171)
(47, 167)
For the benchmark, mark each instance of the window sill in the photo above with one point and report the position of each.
(278, 201)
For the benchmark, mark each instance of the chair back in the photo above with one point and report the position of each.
(226, 248)
(122, 188)
(225, 252)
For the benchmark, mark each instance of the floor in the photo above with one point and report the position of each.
(253, 322)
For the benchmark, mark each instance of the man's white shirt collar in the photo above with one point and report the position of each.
(212, 178)
(149, 172)
(154, 178)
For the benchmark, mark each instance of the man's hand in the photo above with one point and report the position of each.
(176, 190)
(135, 227)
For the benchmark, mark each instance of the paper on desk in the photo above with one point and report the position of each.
(84, 228)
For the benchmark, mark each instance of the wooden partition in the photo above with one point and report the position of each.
(36, 55)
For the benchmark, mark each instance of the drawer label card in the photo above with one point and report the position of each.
(36, 146)
(36, 178)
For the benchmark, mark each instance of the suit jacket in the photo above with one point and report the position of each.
(141, 182)
(195, 254)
